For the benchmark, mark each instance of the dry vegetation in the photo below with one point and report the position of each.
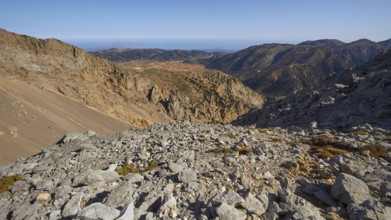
(130, 168)
(375, 150)
(7, 181)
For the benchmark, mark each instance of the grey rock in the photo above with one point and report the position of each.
(71, 137)
(121, 195)
(388, 156)
(134, 177)
(227, 212)
(188, 155)
(325, 197)
(44, 185)
(4, 207)
(73, 206)
(176, 168)
(309, 187)
(26, 211)
(96, 176)
(20, 186)
(230, 197)
(349, 189)
(54, 215)
(268, 175)
(86, 146)
(369, 209)
(127, 213)
(187, 176)
(62, 192)
(252, 204)
(297, 207)
(90, 133)
(169, 202)
(98, 211)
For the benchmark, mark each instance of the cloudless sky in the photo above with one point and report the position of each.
(289, 21)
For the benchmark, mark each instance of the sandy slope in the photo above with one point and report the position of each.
(32, 118)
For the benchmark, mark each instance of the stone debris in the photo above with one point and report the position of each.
(204, 172)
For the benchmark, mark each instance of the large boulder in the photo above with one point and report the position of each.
(98, 211)
(369, 209)
(227, 212)
(349, 189)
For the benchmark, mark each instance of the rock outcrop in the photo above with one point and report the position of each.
(189, 171)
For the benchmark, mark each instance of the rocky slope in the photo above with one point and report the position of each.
(188, 171)
(33, 118)
(125, 55)
(194, 93)
(114, 91)
(279, 69)
(357, 96)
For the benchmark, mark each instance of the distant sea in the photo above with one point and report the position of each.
(207, 45)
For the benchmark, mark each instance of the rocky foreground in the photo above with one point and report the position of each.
(188, 171)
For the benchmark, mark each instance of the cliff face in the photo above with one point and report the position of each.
(125, 95)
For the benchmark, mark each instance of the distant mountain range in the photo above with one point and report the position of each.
(280, 69)
(124, 55)
(270, 69)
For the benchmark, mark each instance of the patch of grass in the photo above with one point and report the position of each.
(243, 150)
(221, 150)
(321, 141)
(130, 168)
(329, 151)
(127, 168)
(294, 143)
(240, 148)
(7, 181)
(152, 165)
(375, 150)
(386, 138)
(260, 130)
(275, 140)
(362, 133)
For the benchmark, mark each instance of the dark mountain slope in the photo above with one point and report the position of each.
(328, 43)
(125, 55)
(280, 69)
(354, 97)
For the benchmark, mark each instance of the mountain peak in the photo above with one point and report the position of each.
(328, 43)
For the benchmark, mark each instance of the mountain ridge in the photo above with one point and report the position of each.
(264, 67)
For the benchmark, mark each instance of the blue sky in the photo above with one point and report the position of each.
(289, 21)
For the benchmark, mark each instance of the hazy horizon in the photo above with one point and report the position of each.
(280, 21)
(168, 44)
